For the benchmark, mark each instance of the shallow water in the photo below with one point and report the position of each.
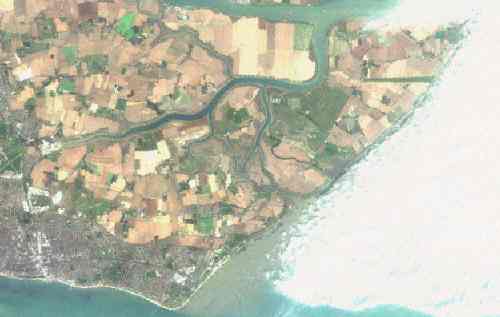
(39, 299)
(414, 224)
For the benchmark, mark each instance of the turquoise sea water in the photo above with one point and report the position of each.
(244, 287)
(40, 299)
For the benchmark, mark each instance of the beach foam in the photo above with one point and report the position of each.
(417, 223)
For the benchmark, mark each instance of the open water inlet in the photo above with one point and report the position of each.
(417, 222)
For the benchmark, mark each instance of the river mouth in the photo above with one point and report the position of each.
(414, 224)
(287, 272)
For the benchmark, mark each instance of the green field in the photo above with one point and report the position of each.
(302, 36)
(13, 149)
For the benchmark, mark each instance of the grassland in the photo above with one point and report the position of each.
(302, 36)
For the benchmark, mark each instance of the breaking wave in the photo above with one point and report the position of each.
(417, 222)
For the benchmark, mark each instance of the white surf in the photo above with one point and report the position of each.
(417, 222)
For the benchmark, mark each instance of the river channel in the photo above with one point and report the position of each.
(322, 16)
(431, 245)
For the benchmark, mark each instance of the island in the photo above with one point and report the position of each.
(144, 142)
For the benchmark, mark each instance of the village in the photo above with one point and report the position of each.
(78, 75)
(85, 68)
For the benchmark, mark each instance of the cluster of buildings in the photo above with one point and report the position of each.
(85, 66)
(80, 75)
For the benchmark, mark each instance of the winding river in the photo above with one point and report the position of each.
(441, 169)
(322, 17)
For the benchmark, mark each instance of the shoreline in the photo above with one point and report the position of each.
(215, 266)
(72, 284)
(212, 269)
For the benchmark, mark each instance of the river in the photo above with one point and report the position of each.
(414, 224)
(321, 16)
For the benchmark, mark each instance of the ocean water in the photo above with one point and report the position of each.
(410, 231)
(39, 299)
(417, 222)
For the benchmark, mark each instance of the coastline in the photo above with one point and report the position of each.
(212, 269)
(72, 284)
(215, 266)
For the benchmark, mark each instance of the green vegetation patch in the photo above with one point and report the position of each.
(149, 275)
(121, 104)
(131, 213)
(338, 47)
(323, 105)
(147, 141)
(220, 175)
(289, 122)
(111, 178)
(70, 54)
(307, 118)
(331, 152)
(6, 40)
(91, 207)
(302, 36)
(46, 28)
(54, 156)
(204, 224)
(66, 85)
(31, 46)
(395, 115)
(274, 138)
(225, 209)
(233, 118)
(237, 116)
(350, 123)
(96, 64)
(183, 186)
(89, 167)
(192, 164)
(87, 27)
(107, 113)
(264, 193)
(203, 189)
(30, 104)
(14, 154)
(4, 129)
(233, 189)
(343, 33)
(181, 97)
(13, 150)
(453, 34)
(125, 26)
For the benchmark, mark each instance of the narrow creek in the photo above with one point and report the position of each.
(322, 17)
